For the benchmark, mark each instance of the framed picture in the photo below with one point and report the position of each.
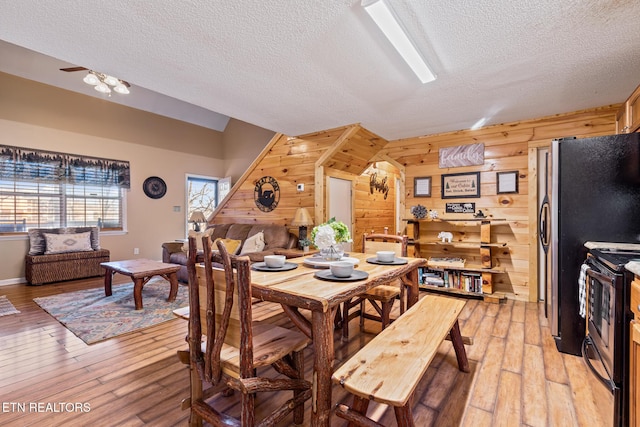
(422, 186)
(460, 185)
(507, 182)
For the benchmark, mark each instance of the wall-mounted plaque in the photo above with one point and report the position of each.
(460, 185)
(266, 193)
(422, 186)
(461, 155)
(460, 208)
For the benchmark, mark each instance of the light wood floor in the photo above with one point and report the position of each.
(517, 377)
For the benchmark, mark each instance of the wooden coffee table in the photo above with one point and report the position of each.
(141, 270)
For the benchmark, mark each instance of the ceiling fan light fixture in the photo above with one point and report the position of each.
(110, 80)
(122, 89)
(91, 79)
(102, 82)
(390, 26)
(102, 88)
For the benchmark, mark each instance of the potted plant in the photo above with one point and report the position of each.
(304, 244)
(328, 236)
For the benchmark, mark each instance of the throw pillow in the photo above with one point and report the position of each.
(232, 245)
(37, 242)
(70, 242)
(198, 235)
(253, 244)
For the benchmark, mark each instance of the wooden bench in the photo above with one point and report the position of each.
(390, 366)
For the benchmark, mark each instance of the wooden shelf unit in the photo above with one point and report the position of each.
(484, 246)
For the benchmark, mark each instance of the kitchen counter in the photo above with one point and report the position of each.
(612, 245)
(634, 267)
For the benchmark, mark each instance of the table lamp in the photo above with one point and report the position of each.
(196, 218)
(302, 218)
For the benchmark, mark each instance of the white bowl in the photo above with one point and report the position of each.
(274, 261)
(386, 256)
(341, 268)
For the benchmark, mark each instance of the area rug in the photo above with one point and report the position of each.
(93, 317)
(6, 308)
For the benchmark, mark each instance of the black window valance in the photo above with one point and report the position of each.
(26, 164)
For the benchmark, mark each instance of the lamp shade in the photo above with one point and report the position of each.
(197, 216)
(302, 218)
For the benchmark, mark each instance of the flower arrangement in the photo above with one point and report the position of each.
(330, 233)
(327, 236)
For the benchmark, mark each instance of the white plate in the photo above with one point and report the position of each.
(318, 262)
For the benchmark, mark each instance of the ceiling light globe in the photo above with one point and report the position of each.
(91, 79)
(110, 80)
(102, 88)
(121, 88)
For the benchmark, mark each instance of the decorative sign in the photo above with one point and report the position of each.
(507, 182)
(460, 208)
(422, 186)
(266, 193)
(380, 185)
(462, 155)
(459, 185)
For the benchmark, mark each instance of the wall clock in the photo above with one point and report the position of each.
(266, 193)
(154, 187)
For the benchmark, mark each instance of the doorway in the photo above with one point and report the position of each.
(341, 204)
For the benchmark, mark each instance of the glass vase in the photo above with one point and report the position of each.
(332, 253)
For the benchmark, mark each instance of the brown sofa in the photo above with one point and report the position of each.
(277, 239)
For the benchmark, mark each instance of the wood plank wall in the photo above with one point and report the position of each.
(290, 161)
(508, 147)
(374, 212)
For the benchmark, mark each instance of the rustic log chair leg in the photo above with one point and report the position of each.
(347, 317)
(360, 405)
(248, 411)
(337, 321)
(298, 363)
(195, 420)
(458, 346)
(404, 416)
(386, 313)
(363, 307)
(345, 320)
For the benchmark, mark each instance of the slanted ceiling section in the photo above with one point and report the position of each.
(353, 151)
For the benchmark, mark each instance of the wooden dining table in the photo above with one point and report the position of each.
(299, 289)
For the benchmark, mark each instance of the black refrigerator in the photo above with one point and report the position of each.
(594, 195)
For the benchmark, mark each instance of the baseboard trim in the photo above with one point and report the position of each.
(14, 281)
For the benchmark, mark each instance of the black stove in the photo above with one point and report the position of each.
(606, 346)
(616, 259)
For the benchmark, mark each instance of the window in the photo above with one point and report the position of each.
(202, 195)
(41, 189)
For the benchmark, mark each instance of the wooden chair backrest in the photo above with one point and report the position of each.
(220, 309)
(372, 243)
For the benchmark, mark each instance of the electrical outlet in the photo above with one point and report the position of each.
(136, 251)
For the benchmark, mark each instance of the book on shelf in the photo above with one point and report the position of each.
(446, 262)
(451, 279)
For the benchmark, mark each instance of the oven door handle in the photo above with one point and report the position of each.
(606, 381)
(599, 276)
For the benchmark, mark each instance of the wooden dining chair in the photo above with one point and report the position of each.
(381, 297)
(235, 348)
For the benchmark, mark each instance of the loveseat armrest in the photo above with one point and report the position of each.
(170, 247)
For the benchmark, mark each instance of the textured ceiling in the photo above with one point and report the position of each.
(302, 66)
